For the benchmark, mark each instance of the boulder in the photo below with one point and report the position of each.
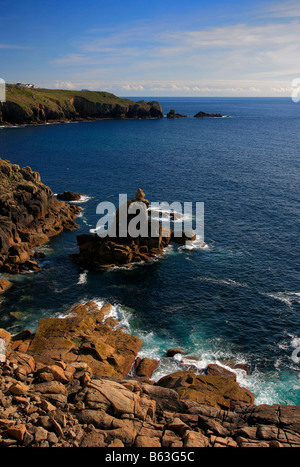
(4, 285)
(195, 440)
(214, 391)
(17, 431)
(69, 196)
(173, 114)
(6, 336)
(183, 237)
(217, 370)
(146, 367)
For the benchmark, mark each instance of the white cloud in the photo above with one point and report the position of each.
(258, 59)
(287, 9)
(184, 88)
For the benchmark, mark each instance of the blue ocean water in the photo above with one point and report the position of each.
(240, 297)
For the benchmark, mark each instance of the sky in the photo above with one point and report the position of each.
(153, 48)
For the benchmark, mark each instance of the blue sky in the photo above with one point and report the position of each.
(153, 48)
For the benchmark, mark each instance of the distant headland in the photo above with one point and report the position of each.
(30, 105)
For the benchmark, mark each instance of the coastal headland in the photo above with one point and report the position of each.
(39, 106)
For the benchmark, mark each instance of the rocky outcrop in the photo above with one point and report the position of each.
(4, 285)
(39, 106)
(212, 390)
(206, 115)
(57, 401)
(87, 335)
(124, 249)
(69, 196)
(173, 114)
(29, 215)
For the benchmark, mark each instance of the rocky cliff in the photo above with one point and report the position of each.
(33, 106)
(29, 215)
(67, 386)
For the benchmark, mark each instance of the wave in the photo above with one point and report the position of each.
(197, 244)
(288, 298)
(83, 199)
(169, 214)
(82, 278)
(117, 312)
(274, 387)
(229, 282)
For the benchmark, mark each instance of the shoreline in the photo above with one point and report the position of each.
(80, 120)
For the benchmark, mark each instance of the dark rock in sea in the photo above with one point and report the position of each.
(172, 352)
(236, 366)
(173, 114)
(123, 249)
(183, 237)
(206, 115)
(69, 196)
(29, 215)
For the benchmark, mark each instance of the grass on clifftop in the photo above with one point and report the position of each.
(26, 97)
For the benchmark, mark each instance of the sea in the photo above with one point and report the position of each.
(236, 297)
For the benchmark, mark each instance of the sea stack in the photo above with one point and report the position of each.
(123, 249)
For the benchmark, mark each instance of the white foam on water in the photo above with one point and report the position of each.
(295, 342)
(82, 278)
(230, 282)
(117, 312)
(289, 298)
(83, 199)
(197, 244)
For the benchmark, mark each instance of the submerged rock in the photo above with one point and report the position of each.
(172, 352)
(217, 370)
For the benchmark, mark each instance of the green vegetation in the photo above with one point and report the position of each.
(25, 105)
(26, 98)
